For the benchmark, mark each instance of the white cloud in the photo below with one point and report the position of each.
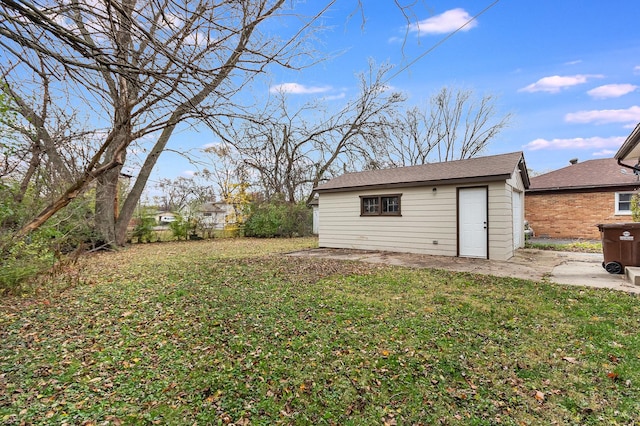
(335, 97)
(603, 116)
(444, 23)
(573, 143)
(611, 90)
(298, 89)
(555, 83)
(636, 69)
(577, 61)
(190, 173)
(604, 153)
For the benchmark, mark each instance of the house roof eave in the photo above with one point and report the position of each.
(587, 188)
(524, 173)
(630, 149)
(393, 185)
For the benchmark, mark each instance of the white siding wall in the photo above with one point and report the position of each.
(500, 224)
(427, 216)
(501, 216)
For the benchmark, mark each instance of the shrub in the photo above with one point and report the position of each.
(143, 231)
(635, 207)
(180, 228)
(278, 220)
(23, 259)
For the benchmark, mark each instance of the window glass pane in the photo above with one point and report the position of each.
(390, 205)
(370, 205)
(624, 202)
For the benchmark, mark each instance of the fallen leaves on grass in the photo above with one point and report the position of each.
(236, 332)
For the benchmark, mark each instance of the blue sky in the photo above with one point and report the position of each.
(568, 71)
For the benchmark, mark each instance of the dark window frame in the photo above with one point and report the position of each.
(379, 203)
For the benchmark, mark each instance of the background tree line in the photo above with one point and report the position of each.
(86, 86)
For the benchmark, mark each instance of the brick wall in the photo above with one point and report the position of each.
(571, 215)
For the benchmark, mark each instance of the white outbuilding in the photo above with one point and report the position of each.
(466, 208)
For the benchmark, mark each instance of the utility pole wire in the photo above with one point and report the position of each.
(432, 48)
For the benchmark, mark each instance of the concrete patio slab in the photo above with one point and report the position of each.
(569, 268)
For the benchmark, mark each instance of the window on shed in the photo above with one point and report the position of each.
(391, 204)
(623, 202)
(380, 205)
(370, 206)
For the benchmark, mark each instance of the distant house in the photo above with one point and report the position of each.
(570, 202)
(165, 217)
(467, 208)
(215, 215)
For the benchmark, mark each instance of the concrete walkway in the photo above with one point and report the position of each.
(586, 269)
(581, 269)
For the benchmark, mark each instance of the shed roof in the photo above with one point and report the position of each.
(489, 168)
(590, 174)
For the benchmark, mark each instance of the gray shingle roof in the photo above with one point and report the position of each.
(494, 167)
(603, 172)
(210, 207)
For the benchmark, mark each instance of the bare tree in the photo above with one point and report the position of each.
(141, 68)
(182, 192)
(50, 151)
(291, 152)
(454, 126)
(227, 169)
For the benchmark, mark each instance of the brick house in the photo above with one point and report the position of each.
(570, 202)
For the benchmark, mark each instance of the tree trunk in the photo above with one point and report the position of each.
(130, 203)
(105, 220)
(134, 195)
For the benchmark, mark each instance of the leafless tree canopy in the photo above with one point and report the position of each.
(179, 193)
(286, 152)
(137, 69)
(291, 150)
(88, 80)
(455, 125)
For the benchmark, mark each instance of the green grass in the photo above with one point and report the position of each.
(578, 246)
(231, 331)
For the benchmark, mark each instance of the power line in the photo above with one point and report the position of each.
(451, 34)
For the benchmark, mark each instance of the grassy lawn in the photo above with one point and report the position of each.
(578, 246)
(231, 331)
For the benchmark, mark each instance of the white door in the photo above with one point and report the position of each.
(518, 225)
(472, 220)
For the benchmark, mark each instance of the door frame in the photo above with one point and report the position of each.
(486, 191)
